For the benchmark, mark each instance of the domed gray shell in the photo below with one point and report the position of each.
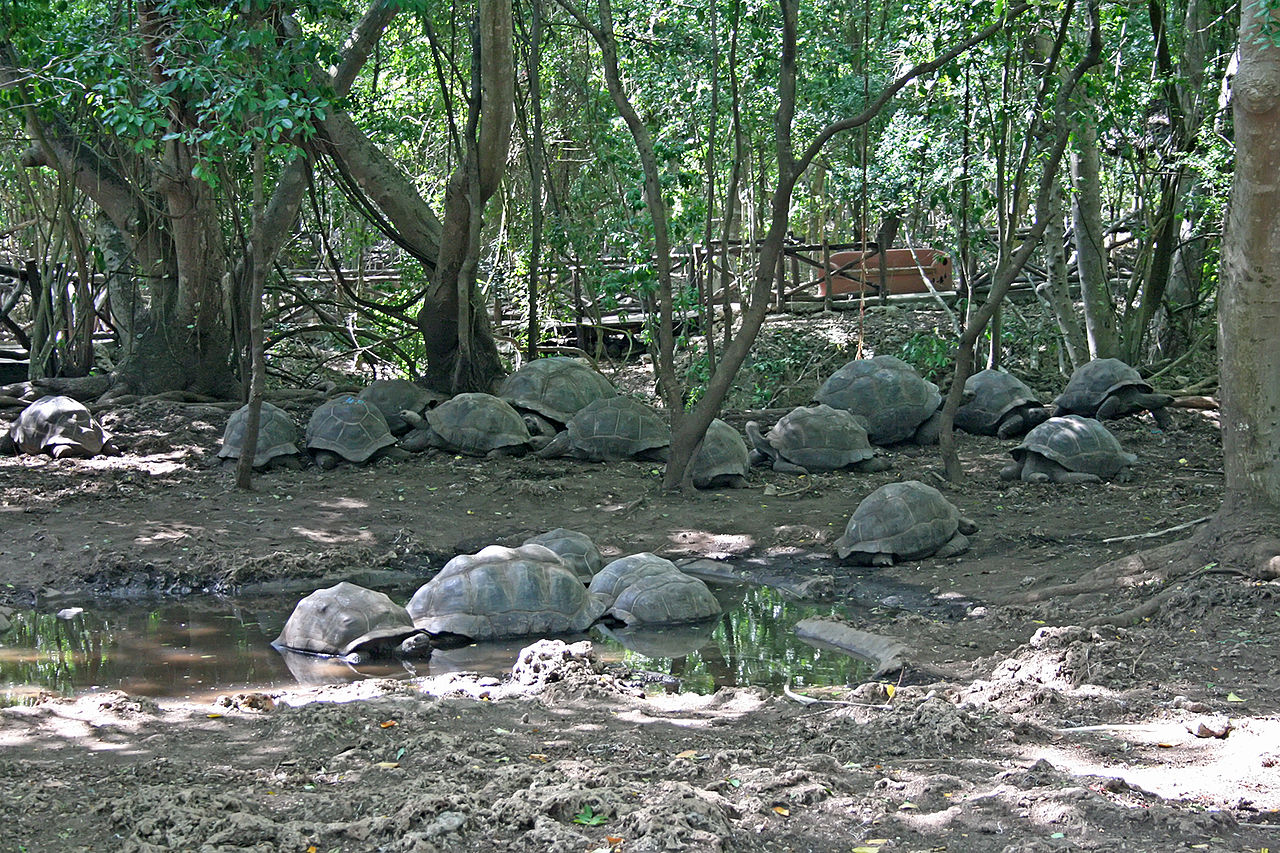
(1091, 383)
(556, 388)
(723, 454)
(278, 435)
(505, 592)
(664, 599)
(476, 424)
(616, 576)
(908, 520)
(820, 438)
(393, 396)
(887, 392)
(345, 618)
(995, 394)
(575, 550)
(616, 428)
(1077, 444)
(349, 427)
(54, 421)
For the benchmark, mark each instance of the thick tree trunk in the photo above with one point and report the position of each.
(1091, 258)
(1249, 295)
(461, 352)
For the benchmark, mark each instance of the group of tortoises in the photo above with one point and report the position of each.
(554, 583)
(554, 406)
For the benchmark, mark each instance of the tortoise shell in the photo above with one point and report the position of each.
(60, 426)
(906, 520)
(575, 550)
(477, 424)
(887, 392)
(505, 592)
(350, 427)
(1093, 382)
(393, 396)
(345, 619)
(556, 388)
(1078, 444)
(723, 457)
(994, 395)
(664, 599)
(277, 435)
(616, 576)
(818, 438)
(612, 429)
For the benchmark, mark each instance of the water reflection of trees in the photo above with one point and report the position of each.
(752, 643)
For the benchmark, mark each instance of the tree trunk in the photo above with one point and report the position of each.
(1091, 258)
(461, 352)
(1249, 296)
(1055, 289)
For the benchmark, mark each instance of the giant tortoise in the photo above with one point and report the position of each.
(611, 429)
(59, 426)
(1000, 404)
(896, 402)
(815, 438)
(473, 423)
(348, 428)
(278, 438)
(550, 391)
(722, 460)
(353, 623)
(1107, 388)
(647, 589)
(1071, 449)
(903, 521)
(393, 396)
(505, 592)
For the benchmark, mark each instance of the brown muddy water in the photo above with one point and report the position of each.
(201, 646)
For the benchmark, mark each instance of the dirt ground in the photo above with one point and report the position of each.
(1012, 725)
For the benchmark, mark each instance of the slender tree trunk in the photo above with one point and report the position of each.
(1055, 290)
(1091, 257)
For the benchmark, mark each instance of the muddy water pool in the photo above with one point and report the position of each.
(200, 647)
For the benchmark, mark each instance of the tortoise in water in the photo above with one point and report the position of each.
(722, 461)
(60, 426)
(393, 396)
(575, 550)
(278, 438)
(612, 429)
(664, 599)
(620, 573)
(1001, 405)
(550, 391)
(896, 402)
(815, 438)
(347, 428)
(1070, 449)
(473, 423)
(505, 592)
(1107, 388)
(353, 623)
(903, 521)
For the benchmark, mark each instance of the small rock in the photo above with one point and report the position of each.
(70, 613)
(1214, 726)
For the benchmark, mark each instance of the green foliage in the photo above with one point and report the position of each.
(928, 352)
(589, 817)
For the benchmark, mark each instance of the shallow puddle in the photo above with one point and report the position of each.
(198, 648)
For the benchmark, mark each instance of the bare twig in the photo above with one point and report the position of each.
(1157, 533)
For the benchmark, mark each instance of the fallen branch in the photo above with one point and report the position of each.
(1157, 533)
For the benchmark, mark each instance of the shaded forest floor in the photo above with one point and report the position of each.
(1010, 726)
